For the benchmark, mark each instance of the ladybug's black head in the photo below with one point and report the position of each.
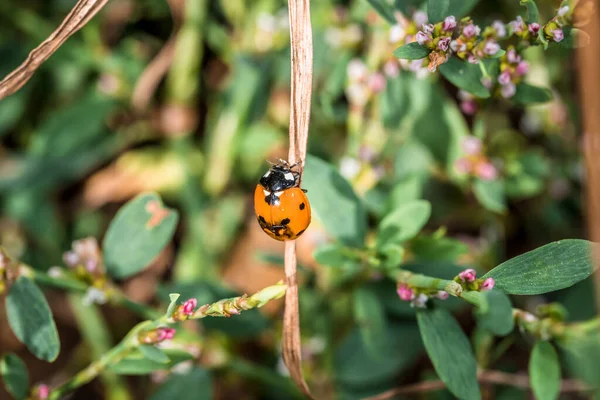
(279, 177)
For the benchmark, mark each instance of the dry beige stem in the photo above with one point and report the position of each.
(301, 89)
(521, 381)
(589, 78)
(83, 11)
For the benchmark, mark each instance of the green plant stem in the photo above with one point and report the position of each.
(221, 308)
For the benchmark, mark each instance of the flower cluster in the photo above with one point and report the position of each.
(472, 46)
(468, 279)
(155, 336)
(512, 70)
(363, 84)
(185, 310)
(475, 162)
(85, 259)
(525, 31)
(553, 30)
(405, 31)
(418, 297)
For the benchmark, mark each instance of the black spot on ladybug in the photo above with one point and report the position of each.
(301, 232)
(285, 221)
(302, 206)
(262, 219)
(272, 200)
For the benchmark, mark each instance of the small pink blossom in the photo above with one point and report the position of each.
(517, 25)
(534, 28)
(471, 30)
(473, 59)
(488, 284)
(471, 145)
(486, 171)
(423, 38)
(468, 275)
(442, 295)
(500, 28)
(376, 82)
(491, 48)
(504, 78)
(512, 56)
(558, 35)
(522, 68)
(444, 43)
(165, 334)
(487, 82)
(508, 91)
(71, 258)
(189, 306)
(428, 28)
(462, 166)
(469, 107)
(43, 391)
(405, 293)
(391, 68)
(449, 23)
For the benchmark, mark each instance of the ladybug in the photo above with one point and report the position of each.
(282, 208)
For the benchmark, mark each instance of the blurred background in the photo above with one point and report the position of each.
(191, 103)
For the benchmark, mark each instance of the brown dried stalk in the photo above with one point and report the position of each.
(589, 78)
(485, 377)
(80, 15)
(301, 88)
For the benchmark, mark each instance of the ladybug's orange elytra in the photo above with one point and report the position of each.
(282, 208)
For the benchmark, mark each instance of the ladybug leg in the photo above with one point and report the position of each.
(304, 190)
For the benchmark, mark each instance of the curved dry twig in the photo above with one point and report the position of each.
(80, 15)
(301, 89)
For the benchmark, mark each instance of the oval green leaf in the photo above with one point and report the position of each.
(437, 10)
(554, 266)
(334, 202)
(544, 371)
(450, 352)
(137, 234)
(333, 255)
(154, 353)
(529, 94)
(196, 384)
(412, 51)
(498, 317)
(465, 76)
(490, 194)
(15, 376)
(30, 318)
(370, 318)
(403, 223)
(532, 11)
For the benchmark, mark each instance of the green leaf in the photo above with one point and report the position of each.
(529, 94)
(384, 9)
(370, 318)
(173, 297)
(542, 38)
(437, 248)
(137, 363)
(334, 202)
(195, 384)
(437, 10)
(412, 158)
(137, 234)
(412, 51)
(355, 365)
(334, 255)
(544, 371)
(574, 38)
(403, 223)
(490, 194)
(31, 320)
(465, 76)
(14, 374)
(532, 11)
(450, 352)
(154, 353)
(499, 318)
(461, 8)
(405, 191)
(554, 266)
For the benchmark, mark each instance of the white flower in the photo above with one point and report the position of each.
(357, 70)
(94, 296)
(396, 33)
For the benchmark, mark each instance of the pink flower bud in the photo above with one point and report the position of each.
(486, 171)
(471, 30)
(504, 78)
(71, 258)
(517, 25)
(471, 145)
(512, 56)
(500, 28)
(468, 107)
(405, 293)
(487, 82)
(468, 275)
(488, 284)
(463, 166)
(165, 334)
(449, 23)
(428, 28)
(473, 59)
(91, 265)
(423, 38)
(558, 35)
(43, 391)
(522, 68)
(491, 48)
(376, 82)
(444, 43)
(442, 295)
(189, 306)
(391, 68)
(534, 28)
(508, 91)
